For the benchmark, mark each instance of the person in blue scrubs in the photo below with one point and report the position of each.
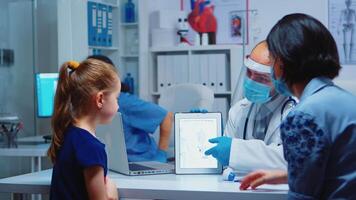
(319, 135)
(140, 120)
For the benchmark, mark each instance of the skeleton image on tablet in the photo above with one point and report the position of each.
(194, 142)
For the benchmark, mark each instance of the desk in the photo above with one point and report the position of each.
(168, 186)
(33, 147)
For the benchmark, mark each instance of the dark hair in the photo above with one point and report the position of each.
(76, 83)
(305, 48)
(124, 87)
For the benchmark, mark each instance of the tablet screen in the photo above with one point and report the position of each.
(193, 136)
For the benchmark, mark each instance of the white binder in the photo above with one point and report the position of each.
(221, 73)
(204, 68)
(161, 73)
(194, 70)
(212, 71)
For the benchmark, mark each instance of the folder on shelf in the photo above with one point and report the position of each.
(161, 73)
(204, 69)
(222, 77)
(99, 20)
(170, 80)
(104, 34)
(92, 23)
(109, 26)
(194, 69)
(180, 69)
(212, 71)
(184, 69)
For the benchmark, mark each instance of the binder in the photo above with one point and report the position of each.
(194, 69)
(204, 68)
(104, 34)
(92, 23)
(109, 26)
(161, 73)
(99, 21)
(222, 77)
(180, 63)
(212, 71)
(184, 69)
(169, 70)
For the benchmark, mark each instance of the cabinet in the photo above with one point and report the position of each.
(129, 45)
(73, 36)
(218, 67)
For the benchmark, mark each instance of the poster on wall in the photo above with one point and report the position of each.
(342, 25)
(224, 21)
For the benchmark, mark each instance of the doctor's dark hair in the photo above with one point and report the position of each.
(77, 83)
(124, 87)
(305, 48)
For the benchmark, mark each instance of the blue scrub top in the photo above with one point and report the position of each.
(140, 118)
(79, 150)
(319, 141)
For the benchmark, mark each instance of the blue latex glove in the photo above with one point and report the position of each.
(198, 110)
(222, 150)
(161, 156)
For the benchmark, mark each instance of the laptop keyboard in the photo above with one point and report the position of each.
(137, 167)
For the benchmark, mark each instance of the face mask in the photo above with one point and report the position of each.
(280, 86)
(256, 92)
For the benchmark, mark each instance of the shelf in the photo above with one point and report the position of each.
(227, 93)
(104, 48)
(104, 2)
(193, 48)
(129, 56)
(131, 24)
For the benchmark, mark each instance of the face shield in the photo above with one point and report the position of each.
(257, 83)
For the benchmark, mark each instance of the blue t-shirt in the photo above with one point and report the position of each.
(79, 150)
(139, 119)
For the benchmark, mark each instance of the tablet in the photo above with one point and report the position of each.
(192, 132)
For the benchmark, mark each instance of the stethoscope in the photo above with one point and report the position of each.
(290, 101)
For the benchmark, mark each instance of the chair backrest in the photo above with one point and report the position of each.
(183, 98)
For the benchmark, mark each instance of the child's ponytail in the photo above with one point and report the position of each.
(62, 116)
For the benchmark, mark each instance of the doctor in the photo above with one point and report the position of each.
(252, 139)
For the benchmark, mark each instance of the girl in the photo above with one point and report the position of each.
(86, 96)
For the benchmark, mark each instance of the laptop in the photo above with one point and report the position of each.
(112, 135)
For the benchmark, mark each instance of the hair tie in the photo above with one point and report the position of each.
(73, 65)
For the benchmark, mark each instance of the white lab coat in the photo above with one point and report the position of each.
(250, 154)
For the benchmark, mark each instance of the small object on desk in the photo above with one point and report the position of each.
(47, 138)
(10, 125)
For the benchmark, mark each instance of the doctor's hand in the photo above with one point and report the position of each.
(198, 110)
(257, 178)
(222, 149)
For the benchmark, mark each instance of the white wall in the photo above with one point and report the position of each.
(268, 13)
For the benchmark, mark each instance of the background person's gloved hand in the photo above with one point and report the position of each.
(222, 149)
(161, 156)
(198, 110)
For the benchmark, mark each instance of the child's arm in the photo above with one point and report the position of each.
(95, 184)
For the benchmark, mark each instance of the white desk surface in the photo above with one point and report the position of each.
(27, 146)
(168, 186)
